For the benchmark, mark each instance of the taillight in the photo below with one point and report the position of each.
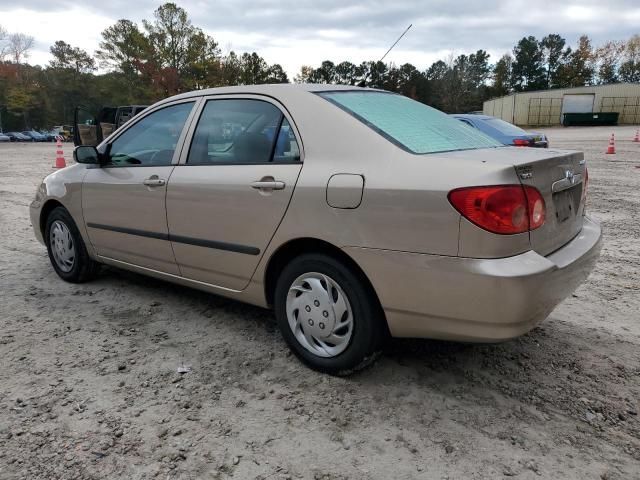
(521, 142)
(504, 209)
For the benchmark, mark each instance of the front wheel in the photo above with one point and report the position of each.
(328, 315)
(67, 251)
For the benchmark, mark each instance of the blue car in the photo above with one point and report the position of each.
(34, 136)
(504, 132)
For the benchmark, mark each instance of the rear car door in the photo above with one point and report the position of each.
(231, 189)
(123, 200)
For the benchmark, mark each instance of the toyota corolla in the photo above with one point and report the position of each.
(354, 213)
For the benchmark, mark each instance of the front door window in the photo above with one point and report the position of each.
(151, 141)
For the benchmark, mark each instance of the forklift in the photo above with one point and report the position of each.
(91, 129)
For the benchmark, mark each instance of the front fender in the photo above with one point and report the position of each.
(61, 188)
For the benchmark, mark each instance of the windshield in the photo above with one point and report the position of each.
(504, 127)
(411, 125)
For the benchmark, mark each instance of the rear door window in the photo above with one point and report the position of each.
(413, 126)
(242, 131)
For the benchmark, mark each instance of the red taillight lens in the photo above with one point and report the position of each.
(504, 209)
(520, 142)
(537, 208)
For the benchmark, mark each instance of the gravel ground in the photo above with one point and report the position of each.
(90, 387)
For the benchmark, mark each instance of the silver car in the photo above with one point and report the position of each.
(354, 213)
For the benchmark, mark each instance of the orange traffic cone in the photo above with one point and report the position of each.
(612, 145)
(636, 139)
(60, 163)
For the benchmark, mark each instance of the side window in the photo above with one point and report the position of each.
(242, 131)
(286, 147)
(151, 141)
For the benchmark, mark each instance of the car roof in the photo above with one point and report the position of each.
(278, 90)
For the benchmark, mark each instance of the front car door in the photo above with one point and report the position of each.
(123, 200)
(231, 189)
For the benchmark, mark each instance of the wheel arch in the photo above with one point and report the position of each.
(46, 210)
(289, 250)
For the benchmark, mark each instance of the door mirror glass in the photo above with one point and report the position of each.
(86, 154)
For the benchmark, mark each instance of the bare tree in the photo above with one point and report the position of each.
(4, 47)
(19, 46)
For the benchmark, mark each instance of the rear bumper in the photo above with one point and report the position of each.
(478, 300)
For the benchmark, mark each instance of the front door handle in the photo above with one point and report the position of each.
(268, 183)
(154, 181)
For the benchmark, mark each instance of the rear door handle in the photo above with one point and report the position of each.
(268, 185)
(154, 181)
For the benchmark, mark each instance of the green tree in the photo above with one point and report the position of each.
(122, 47)
(305, 75)
(527, 69)
(326, 73)
(169, 35)
(66, 56)
(346, 73)
(553, 53)
(501, 80)
(579, 67)
(276, 74)
(254, 69)
(125, 50)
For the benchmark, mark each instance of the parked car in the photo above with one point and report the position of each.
(505, 132)
(18, 137)
(34, 136)
(353, 213)
(50, 136)
(4, 138)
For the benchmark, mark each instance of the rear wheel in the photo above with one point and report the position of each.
(67, 251)
(327, 315)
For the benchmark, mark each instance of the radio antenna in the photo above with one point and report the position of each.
(364, 81)
(396, 42)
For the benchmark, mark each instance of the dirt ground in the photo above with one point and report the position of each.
(90, 387)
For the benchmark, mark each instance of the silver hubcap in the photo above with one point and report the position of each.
(62, 248)
(319, 314)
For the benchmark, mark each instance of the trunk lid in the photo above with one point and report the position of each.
(559, 176)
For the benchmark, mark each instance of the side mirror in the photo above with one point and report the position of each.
(86, 154)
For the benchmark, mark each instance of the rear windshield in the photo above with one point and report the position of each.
(503, 127)
(411, 125)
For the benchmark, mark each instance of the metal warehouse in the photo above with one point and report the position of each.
(547, 107)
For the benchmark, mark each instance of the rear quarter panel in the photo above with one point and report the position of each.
(404, 204)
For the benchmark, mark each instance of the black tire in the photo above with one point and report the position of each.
(369, 329)
(84, 268)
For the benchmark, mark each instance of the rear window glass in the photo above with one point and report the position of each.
(411, 125)
(504, 127)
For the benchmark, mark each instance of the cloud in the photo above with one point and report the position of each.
(304, 32)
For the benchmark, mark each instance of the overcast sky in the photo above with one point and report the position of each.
(305, 32)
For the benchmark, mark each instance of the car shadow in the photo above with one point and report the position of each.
(559, 368)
